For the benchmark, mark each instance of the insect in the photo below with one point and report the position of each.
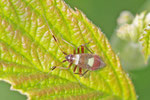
(79, 58)
(82, 60)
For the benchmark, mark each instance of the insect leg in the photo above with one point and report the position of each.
(80, 71)
(75, 68)
(82, 49)
(84, 72)
(74, 51)
(54, 67)
(84, 46)
(78, 50)
(70, 65)
(88, 49)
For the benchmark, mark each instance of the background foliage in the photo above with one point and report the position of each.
(104, 14)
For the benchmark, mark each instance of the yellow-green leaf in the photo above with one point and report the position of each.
(28, 51)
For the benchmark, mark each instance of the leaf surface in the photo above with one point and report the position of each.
(28, 50)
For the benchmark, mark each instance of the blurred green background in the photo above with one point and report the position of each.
(103, 13)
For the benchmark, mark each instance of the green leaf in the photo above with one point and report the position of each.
(27, 51)
(145, 39)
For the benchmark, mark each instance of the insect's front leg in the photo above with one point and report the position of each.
(54, 67)
(75, 68)
(70, 65)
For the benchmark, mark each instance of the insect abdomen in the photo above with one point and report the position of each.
(88, 61)
(98, 63)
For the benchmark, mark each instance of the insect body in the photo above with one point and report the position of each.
(82, 60)
(86, 61)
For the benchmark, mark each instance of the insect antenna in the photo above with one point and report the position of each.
(56, 40)
(68, 43)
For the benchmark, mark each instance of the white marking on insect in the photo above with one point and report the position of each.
(91, 62)
(77, 58)
(68, 57)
